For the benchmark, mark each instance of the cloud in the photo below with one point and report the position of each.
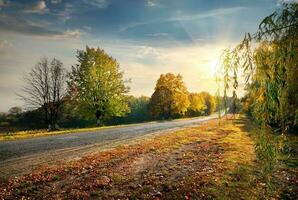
(147, 51)
(39, 7)
(19, 25)
(4, 44)
(4, 3)
(212, 13)
(151, 3)
(72, 33)
(71, 9)
(96, 3)
(5, 47)
(12, 23)
(67, 12)
(158, 34)
(56, 1)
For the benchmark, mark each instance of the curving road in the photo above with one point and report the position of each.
(46, 149)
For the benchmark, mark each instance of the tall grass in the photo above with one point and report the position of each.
(269, 151)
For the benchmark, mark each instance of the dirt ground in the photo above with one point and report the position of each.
(210, 161)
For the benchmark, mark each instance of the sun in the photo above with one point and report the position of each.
(213, 66)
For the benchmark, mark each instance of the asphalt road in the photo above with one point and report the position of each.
(23, 156)
(24, 147)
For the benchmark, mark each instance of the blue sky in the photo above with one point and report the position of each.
(147, 37)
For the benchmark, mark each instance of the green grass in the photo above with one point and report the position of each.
(40, 133)
(253, 160)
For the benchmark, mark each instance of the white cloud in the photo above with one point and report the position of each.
(67, 12)
(96, 3)
(87, 28)
(179, 18)
(151, 3)
(212, 13)
(73, 33)
(75, 7)
(37, 28)
(39, 7)
(158, 34)
(4, 44)
(147, 51)
(56, 1)
(67, 34)
(5, 47)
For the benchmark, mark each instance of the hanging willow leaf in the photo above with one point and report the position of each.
(269, 60)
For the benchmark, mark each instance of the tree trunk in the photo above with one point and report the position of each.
(46, 119)
(98, 116)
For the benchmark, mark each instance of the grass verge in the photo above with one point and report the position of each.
(40, 133)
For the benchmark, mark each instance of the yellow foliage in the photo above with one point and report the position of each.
(170, 97)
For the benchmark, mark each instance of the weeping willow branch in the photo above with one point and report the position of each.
(268, 60)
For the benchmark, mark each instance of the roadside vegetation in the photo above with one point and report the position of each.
(44, 132)
(268, 61)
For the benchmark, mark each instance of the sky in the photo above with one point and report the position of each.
(147, 37)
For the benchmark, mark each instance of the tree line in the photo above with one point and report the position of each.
(95, 92)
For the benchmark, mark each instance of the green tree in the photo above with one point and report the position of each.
(139, 111)
(170, 97)
(16, 110)
(210, 102)
(139, 108)
(96, 84)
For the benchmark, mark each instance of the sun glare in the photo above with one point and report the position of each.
(212, 67)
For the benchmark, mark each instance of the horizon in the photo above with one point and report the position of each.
(147, 38)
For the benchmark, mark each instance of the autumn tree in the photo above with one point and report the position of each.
(197, 105)
(96, 85)
(170, 97)
(45, 89)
